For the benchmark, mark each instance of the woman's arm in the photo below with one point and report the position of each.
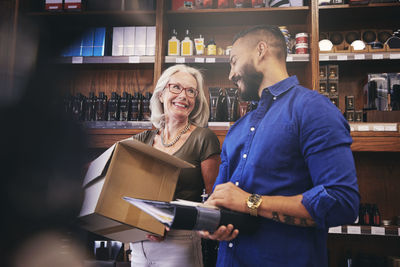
(209, 170)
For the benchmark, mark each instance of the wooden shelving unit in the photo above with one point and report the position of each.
(366, 230)
(376, 152)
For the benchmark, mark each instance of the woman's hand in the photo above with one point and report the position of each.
(157, 238)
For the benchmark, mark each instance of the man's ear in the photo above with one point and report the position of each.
(262, 49)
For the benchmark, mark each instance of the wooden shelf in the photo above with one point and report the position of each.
(107, 60)
(366, 230)
(359, 6)
(359, 56)
(225, 59)
(236, 16)
(237, 10)
(100, 18)
(362, 141)
(89, 13)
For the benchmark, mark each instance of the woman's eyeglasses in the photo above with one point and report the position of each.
(177, 89)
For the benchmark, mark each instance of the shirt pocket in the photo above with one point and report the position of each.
(275, 145)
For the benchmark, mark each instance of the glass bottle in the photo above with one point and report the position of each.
(187, 45)
(174, 44)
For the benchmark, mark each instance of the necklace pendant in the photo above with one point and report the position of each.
(176, 139)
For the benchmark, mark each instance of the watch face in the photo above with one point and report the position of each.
(253, 200)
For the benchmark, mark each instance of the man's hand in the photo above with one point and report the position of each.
(229, 196)
(223, 233)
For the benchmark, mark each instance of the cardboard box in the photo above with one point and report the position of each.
(128, 168)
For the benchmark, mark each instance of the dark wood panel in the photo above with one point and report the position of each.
(378, 179)
(339, 245)
(376, 143)
(85, 79)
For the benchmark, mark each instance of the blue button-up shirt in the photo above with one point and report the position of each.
(295, 142)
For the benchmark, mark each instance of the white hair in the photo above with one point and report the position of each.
(200, 113)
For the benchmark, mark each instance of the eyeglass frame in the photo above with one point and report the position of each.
(181, 89)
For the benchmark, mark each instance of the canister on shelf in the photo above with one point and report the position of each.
(302, 38)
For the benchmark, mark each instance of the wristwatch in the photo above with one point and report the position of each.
(253, 202)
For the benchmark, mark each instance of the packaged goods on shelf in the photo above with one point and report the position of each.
(99, 41)
(174, 45)
(118, 41)
(150, 41)
(87, 43)
(378, 91)
(187, 45)
(73, 5)
(53, 5)
(92, 43)
(140, 41)
(182, 4)
(128, 41)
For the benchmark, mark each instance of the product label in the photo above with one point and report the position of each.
(77, 60)
(356, 230)
(212, 50)
(186, 47)
(180, 60)
(335, 230)
(210, 60)
(172, 48)
(342, 57)
(377, 56)
(199, 60)
(377, 230)
(394, 56)
(359, 56)
(134, 59)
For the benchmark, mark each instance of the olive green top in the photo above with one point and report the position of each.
(200, 145)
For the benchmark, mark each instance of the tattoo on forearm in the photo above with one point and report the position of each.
(303, 222)
(275, 216)
(288, 219)
(292, 220)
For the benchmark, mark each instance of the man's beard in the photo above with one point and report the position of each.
(251, 80)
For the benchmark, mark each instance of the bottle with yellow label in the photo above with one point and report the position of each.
(187, 45)
(199, 45)
(174, 45)
(211, 48)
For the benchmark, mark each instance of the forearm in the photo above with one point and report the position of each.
(285, 209)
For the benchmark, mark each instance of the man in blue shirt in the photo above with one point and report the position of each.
(288, 161)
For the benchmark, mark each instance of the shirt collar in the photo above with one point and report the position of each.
(283, 86)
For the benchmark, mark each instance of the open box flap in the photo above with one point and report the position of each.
(153, 152)
(97, 166)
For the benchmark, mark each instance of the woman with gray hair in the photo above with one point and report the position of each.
(179, 111)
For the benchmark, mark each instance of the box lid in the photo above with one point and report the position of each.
(97, 166)
(153, 152)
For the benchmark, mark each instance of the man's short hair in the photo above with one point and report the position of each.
(268, 33)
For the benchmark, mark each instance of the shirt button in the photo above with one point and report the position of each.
(230, 244)
(274, 98)
(252, 129)
(244, 156)
(237, 183)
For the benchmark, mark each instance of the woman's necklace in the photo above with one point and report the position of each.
(184, 130)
